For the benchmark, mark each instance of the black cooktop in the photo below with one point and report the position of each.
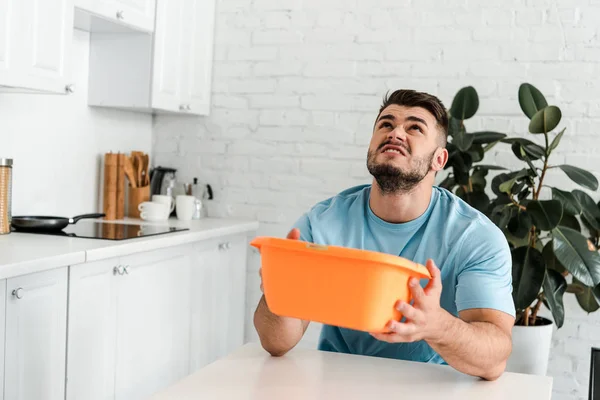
(110, 230)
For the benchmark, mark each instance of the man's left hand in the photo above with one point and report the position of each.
(425, 319)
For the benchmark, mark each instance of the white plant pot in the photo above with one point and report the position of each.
(531, 349)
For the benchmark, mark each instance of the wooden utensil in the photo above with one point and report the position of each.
(129, 171)
(146, 161)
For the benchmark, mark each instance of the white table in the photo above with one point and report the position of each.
(251, 373)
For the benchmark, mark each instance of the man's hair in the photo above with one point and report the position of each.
(412, 98)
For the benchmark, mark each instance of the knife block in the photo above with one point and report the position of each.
(136, 197)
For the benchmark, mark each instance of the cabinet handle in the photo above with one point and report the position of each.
(126, 269)
(188, 107)
(182, 107)
(118, 270)
(69, 88)
(224, 246)
(120, 14)
(18, 293)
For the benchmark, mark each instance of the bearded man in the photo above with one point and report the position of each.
(463, 316)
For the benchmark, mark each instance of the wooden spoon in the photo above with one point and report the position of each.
(129, 171)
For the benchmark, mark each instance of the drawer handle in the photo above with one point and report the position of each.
(120, 14)
(18, 293)
(118, 270)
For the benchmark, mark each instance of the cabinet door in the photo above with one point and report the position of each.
(7, 40)
(207, 300)
(234, 252)
(153, 315)
(36, 333)
(137, 14)
(199, 25)
(2, 333)
(167, 74)
(47, 35)
(92, 330)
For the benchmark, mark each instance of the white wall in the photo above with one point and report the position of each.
(57, 143)
(298, 84)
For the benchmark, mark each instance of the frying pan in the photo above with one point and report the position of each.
(47, 223)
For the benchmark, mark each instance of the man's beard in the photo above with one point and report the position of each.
(393, 180)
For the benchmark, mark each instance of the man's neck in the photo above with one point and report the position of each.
(400, 207)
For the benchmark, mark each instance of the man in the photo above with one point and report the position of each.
(464, 315)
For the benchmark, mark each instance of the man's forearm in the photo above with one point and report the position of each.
(475, 348)
(278, 335)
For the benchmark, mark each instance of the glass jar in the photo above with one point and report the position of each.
(5, 194)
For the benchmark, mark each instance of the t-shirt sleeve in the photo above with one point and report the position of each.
(485, 270)
(303, 224)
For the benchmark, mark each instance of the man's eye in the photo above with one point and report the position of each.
(386, 125)
(417, 127)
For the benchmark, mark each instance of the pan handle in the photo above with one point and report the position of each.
(77, 218)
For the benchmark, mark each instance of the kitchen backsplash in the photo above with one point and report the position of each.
(57, 143)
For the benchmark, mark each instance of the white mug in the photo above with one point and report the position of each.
(164, 199)
(151, 211)
(185, 207)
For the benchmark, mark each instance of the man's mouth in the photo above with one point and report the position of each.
(389, 148)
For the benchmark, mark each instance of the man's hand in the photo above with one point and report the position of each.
(426, 319)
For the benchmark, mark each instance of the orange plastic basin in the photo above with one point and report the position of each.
(334, 285)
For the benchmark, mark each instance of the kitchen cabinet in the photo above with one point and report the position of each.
(2, 327)
(35, 45)
(167, 72)
(129, 325)
(218, 301)
(138, 15)
(36, 333)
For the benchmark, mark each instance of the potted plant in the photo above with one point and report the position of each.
(467, 178)
(544, 227)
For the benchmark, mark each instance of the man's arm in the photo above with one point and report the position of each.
(278, 335)
(478, 343)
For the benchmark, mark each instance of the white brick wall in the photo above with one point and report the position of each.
(298, 83)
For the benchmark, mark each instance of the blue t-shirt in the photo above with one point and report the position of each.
(470, 251)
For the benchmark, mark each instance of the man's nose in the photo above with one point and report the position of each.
(398, 133)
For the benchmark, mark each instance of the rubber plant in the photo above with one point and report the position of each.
(545, 224)
(467, 178)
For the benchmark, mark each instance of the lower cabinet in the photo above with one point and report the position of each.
(139, 323)
(121, 328)
(35, 336)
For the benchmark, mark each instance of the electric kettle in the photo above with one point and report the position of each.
(163, 180)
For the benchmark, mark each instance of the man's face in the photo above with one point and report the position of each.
(404, 148)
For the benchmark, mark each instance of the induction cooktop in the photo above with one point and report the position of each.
(110, 230)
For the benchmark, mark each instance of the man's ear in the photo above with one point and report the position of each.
(440, 158)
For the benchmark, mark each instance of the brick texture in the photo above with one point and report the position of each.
(297, 85)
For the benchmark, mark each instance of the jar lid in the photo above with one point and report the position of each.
(6, 162)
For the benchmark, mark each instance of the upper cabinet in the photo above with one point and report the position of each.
(35, 45)
(93, 15)
(167, 72)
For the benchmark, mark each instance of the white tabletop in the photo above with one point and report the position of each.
(251, 373)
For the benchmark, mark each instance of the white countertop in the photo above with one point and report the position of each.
(251, 373)
(23, 253)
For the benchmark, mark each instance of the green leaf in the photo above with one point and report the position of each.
(520, 224)
(478, 180)
(517, 148)
(590, 213)
(554, 289)
(575, 288)
(501, 215)
(531, 99)
(454, 126)
(489, 146)
(570, 221)
(551, 260)
(534, 151)
(586, 299)
(580, 176)
(463, 140)
(546, 214)
(506, 186)
(487, 137)
(571, 249)
(528, 271)
(448, 182)
(569, 202)
(478, 200)
(465, 103)
(545, 120)
(556, 140)
(596, 293)
(489, 167)
(476, 152)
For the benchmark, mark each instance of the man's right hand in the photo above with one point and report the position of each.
(294, 234)
(278, 335)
